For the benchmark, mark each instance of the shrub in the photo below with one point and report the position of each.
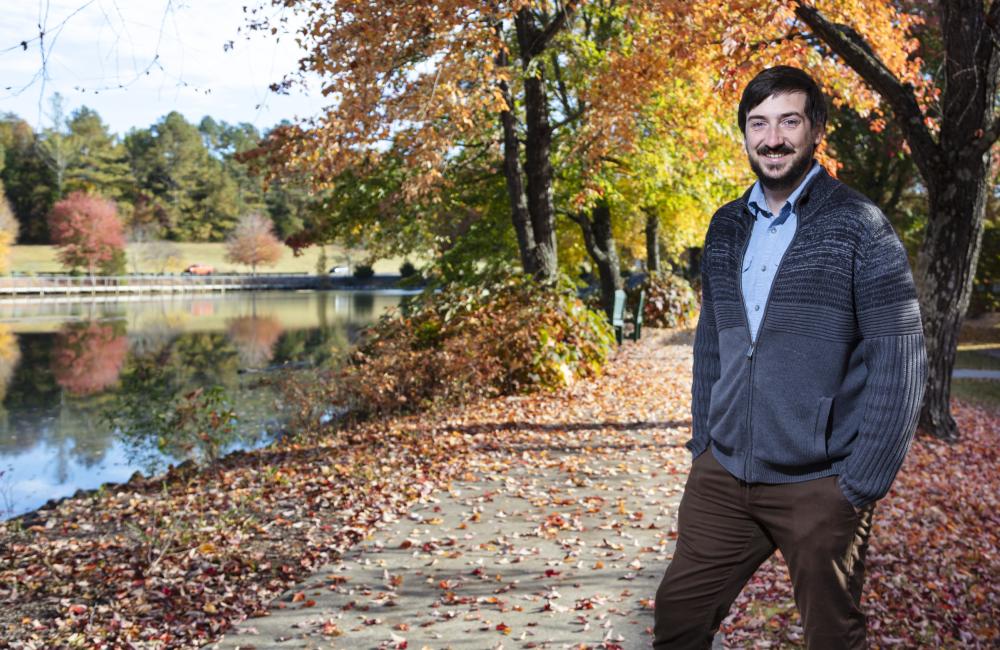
(462, 343)
(364, 271)
(670, 301)
(407, 269)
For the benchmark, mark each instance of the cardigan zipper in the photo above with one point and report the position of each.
(754, 343)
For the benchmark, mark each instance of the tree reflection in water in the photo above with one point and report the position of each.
(10, 355)
(88, 357)
(254, 338)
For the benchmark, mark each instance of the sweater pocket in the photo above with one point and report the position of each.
(821, 431)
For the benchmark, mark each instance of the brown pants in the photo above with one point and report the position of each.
(728, 527)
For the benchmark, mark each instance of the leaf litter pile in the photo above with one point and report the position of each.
(175, 561)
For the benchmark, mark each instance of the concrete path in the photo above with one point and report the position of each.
(563, 554)
(960, 373)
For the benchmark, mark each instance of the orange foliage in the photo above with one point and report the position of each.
(253, 242)
(424, 75)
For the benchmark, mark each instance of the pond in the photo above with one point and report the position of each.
(67, 367)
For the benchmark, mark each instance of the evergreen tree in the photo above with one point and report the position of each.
(28, 181)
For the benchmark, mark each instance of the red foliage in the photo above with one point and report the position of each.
(88, 357)
(86, 230)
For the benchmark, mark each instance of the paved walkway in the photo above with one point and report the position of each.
(960, 373)
(556, 555)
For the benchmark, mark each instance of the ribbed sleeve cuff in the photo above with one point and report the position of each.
(897, 373)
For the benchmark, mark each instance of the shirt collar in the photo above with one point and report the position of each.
(758, 202)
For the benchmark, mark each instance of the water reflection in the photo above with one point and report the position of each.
(254, 337)
(10, 356)
(64, 366)
(88, 357)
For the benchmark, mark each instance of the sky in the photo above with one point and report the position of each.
(134, 61)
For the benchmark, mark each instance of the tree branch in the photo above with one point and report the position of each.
(561, 85)
(859, 55)
(545, 36)
(588, 235)
(571, 117)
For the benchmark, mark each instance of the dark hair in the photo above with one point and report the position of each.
(779, 80)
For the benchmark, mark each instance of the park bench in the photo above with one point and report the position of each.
(619, 319)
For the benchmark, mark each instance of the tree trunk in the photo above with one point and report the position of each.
(600, 243)
(514, 174)
(957, 188)
(537, 147)
(946, 266)
(652, 242)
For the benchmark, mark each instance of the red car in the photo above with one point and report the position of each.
(199, 269)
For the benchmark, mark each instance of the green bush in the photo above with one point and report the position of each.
(461, 343)
(670, 301)
(364, 271)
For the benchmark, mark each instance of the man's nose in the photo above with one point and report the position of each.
(772, 138)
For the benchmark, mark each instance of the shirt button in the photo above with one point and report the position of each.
(773, 230)
(763, 267)
(756, 307)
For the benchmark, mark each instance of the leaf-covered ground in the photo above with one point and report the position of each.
(176, 563)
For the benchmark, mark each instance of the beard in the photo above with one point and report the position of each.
(788, 179)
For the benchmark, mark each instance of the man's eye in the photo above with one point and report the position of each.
(791, 123)
(756, 125)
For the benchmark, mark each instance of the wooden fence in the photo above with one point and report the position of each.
(43, 285)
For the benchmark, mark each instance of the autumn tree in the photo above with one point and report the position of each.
(253, 242)
(503, 79)
(950, 142)
(87, 231)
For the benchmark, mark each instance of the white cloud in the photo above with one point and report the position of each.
(168, 55)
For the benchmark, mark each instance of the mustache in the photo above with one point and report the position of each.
(763, 151)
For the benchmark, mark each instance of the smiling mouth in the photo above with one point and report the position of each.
(775, 155)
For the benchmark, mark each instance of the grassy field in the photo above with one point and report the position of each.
(977, 336)
(42, 259)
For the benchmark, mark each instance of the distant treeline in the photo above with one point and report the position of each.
(174, 180)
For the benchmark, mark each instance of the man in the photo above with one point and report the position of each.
(809, 368)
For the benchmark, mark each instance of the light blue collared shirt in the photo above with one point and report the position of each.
(769, 240)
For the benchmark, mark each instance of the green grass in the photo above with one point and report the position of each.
(977, 360)
(42, 259)
(985, 392)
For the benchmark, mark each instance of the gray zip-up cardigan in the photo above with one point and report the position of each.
(834, 382)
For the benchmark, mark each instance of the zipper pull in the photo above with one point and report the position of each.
(750, 351)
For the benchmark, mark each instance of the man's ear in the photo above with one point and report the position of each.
(818, 134)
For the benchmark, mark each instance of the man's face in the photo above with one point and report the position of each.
(780, 140)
